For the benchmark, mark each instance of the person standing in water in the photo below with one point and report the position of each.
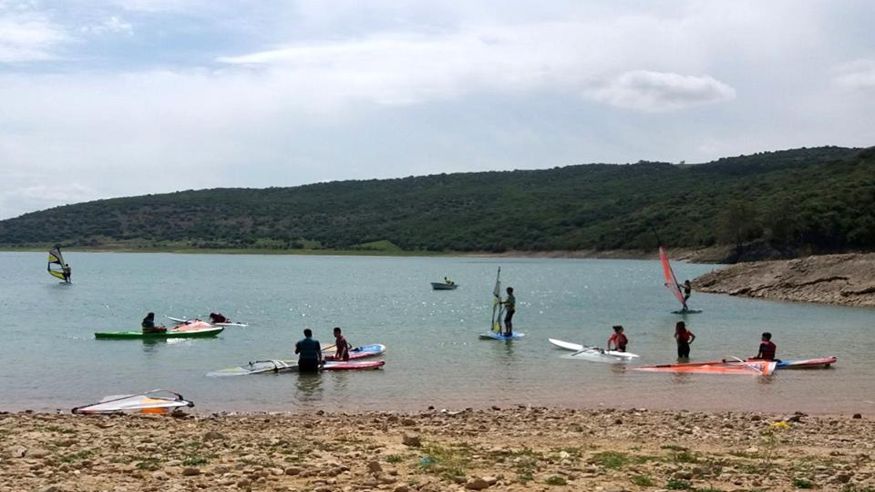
(767, 349)
(684, 338)
(618, 339)
(509, 309)
(341, 344)
(309, 353)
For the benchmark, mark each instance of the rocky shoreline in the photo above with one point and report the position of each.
(846, 279)
(500, 449)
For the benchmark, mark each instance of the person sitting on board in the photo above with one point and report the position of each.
(148, 325)
(309, 353)
(618, 340)
(68, 272)
(684, 338)
(341, 344)
(509, 309)
(767, 349)
(218, 318)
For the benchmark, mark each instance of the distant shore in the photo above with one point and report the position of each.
(516, 449)
(847, 279)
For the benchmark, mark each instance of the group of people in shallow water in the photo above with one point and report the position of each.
(309, 350)
(684, 337)
(148, 325)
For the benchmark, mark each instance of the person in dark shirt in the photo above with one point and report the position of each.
(218, 318)
(68, 273)
(341, 344)
(148, 325)
(688, 289)
(767, 349)
(509, 310)
(309, 353)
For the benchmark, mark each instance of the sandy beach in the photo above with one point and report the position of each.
(497, 449)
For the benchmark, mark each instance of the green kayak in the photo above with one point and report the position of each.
(211, 331)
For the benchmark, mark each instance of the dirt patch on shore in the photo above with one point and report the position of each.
(500, 449)
(847, 279)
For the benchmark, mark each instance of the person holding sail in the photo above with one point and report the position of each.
(68, 273)
(688, 289)
(509, 309)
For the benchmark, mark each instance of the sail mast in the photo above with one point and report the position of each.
(496, 304)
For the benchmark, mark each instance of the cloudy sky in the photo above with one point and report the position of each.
(106, 98)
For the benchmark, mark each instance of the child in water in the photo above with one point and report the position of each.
(684, 338)
(618, 340)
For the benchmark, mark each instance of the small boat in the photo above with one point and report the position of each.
(444, 285)
(224, 323)
(753, 368)
(283, 366)
(151, 402)
(815, 363)
(361, 352)
(594, 354)
(193, 329)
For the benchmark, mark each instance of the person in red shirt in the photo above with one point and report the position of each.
(767, 348)
(342, 346)
(618, 340)
(684, 338)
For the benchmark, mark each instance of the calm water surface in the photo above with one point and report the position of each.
(51, 360)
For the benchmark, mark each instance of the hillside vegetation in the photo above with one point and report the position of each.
(803, 200)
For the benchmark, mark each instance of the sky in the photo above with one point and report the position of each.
(109, 98)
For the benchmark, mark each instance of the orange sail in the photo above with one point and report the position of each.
(671, 283)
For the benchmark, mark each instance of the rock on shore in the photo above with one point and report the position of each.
(847, 279)
(518, 449)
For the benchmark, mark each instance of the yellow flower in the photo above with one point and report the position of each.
(780, 425)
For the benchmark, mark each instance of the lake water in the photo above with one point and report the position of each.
(50, 359)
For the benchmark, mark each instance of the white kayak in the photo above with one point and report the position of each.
(593, 353)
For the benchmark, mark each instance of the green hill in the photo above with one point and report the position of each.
(816, 200)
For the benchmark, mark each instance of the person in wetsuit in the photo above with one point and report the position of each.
(68, 273)
(688, 289)
(509, 310)
(309, 353)
(684, 338)
(218, 318)
(148, 325)
(767, 349)
(618, 339)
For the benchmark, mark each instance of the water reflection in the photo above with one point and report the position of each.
(308, 388)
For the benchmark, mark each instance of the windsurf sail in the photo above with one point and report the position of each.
(60, 271)
(496, 303)
(155, 401)
(671, 282)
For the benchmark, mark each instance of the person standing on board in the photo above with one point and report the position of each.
(767, 349)
(688, 289)
(509, 309)
(309, 353)
(148, 325)
(684, 339)
(618, 340)
(341, 344)
(68, 273)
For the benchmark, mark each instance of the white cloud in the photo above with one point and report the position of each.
(659, 91)
(110, 25)
(26, 37)
(856, 76)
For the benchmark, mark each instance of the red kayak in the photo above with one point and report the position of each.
(754, 368)
(816, 363)
(353, 366)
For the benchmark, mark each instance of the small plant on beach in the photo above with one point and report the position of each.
(610, 459)
(556, 480)
(394, 458)
(642, 481)
(149, 464)
(678, 484)
(446, 461)
(684, 457)
(803, 483)
(77, 456)
(195, 460)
